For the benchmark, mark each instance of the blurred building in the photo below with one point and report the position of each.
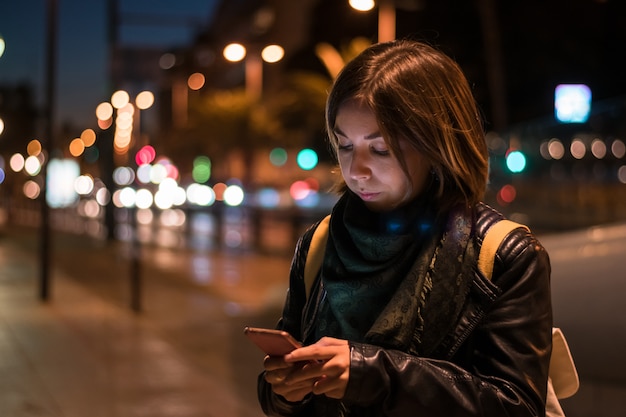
(20, 117)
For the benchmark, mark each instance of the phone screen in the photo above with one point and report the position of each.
(272, 342)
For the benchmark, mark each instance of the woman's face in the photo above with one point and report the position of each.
(369, 168)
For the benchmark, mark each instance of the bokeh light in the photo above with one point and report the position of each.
(506, 195)
(200, 194)
(126, 197)
(119, 99)
(268, 198)
(201, 171)
(32, 166)
(145, 155)
(77, 147)
(123, 176)
(299, 190)
(272, 53)
(61, 180)
(143, 173)
(516, 161)
(233, 195)
(144, 100)
(362, 5)
(158, 173)
(578, 149)
(572, 103)
(104, 111)
(234, 52)
(83, 185)
(618, 149)
(167, 61)
(278, 157)
(143, 199)
(621, 174)
(33, 148)
(173, 218)
(31, 189)
(16, 162)
(598, 148)
(219, 189)
(103, 196)
(307, 159)
(196, 81)
(88, 136)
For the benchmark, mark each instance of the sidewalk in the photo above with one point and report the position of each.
(85, 353)
(82, 354)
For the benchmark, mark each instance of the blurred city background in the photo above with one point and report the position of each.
(175, 151)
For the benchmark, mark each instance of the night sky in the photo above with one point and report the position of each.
(543, 43)
(82, 44)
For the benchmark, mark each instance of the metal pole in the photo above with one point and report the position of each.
(386, 21)
(135, 263)
(51, 44)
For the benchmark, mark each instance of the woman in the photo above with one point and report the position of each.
(399, 321)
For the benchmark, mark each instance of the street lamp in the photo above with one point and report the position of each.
(386, 16)
(236, 52)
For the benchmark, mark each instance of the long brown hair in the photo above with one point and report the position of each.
(421, 95)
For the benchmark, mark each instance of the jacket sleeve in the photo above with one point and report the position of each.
(501, 367)
(290, 321)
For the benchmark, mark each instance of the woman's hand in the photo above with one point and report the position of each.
(321, 368)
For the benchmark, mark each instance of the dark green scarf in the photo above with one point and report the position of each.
(395, 279)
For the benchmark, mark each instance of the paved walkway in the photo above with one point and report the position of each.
(85, 353)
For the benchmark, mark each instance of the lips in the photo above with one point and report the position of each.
(365, 196)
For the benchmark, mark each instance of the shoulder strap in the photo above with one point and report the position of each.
(563, 377)
(316, 254)
(491, 242)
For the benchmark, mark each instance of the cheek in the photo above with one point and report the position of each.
(419, 177)
(344, 165)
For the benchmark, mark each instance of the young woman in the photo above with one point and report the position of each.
(399, 321)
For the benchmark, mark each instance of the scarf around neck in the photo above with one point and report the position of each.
(396, 279)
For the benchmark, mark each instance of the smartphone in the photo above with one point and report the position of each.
(272, 342)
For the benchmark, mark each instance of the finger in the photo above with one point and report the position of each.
(276, 376)
(271, 363)
(312, 353)
(330, 387)
(308, 373)
(291, 393)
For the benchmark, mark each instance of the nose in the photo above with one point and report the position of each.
(360, 166)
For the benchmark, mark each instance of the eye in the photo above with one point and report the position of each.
(344, 147)
(379, 150)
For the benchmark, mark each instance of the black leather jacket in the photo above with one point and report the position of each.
(494, 363)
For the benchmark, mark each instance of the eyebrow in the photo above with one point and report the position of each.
(371, 136)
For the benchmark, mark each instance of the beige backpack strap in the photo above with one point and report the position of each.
(563, 379)
(491, 242)
(316, 254)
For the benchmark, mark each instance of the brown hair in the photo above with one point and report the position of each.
(419, 94)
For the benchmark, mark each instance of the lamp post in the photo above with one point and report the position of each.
(51, 55)
(236, 52)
